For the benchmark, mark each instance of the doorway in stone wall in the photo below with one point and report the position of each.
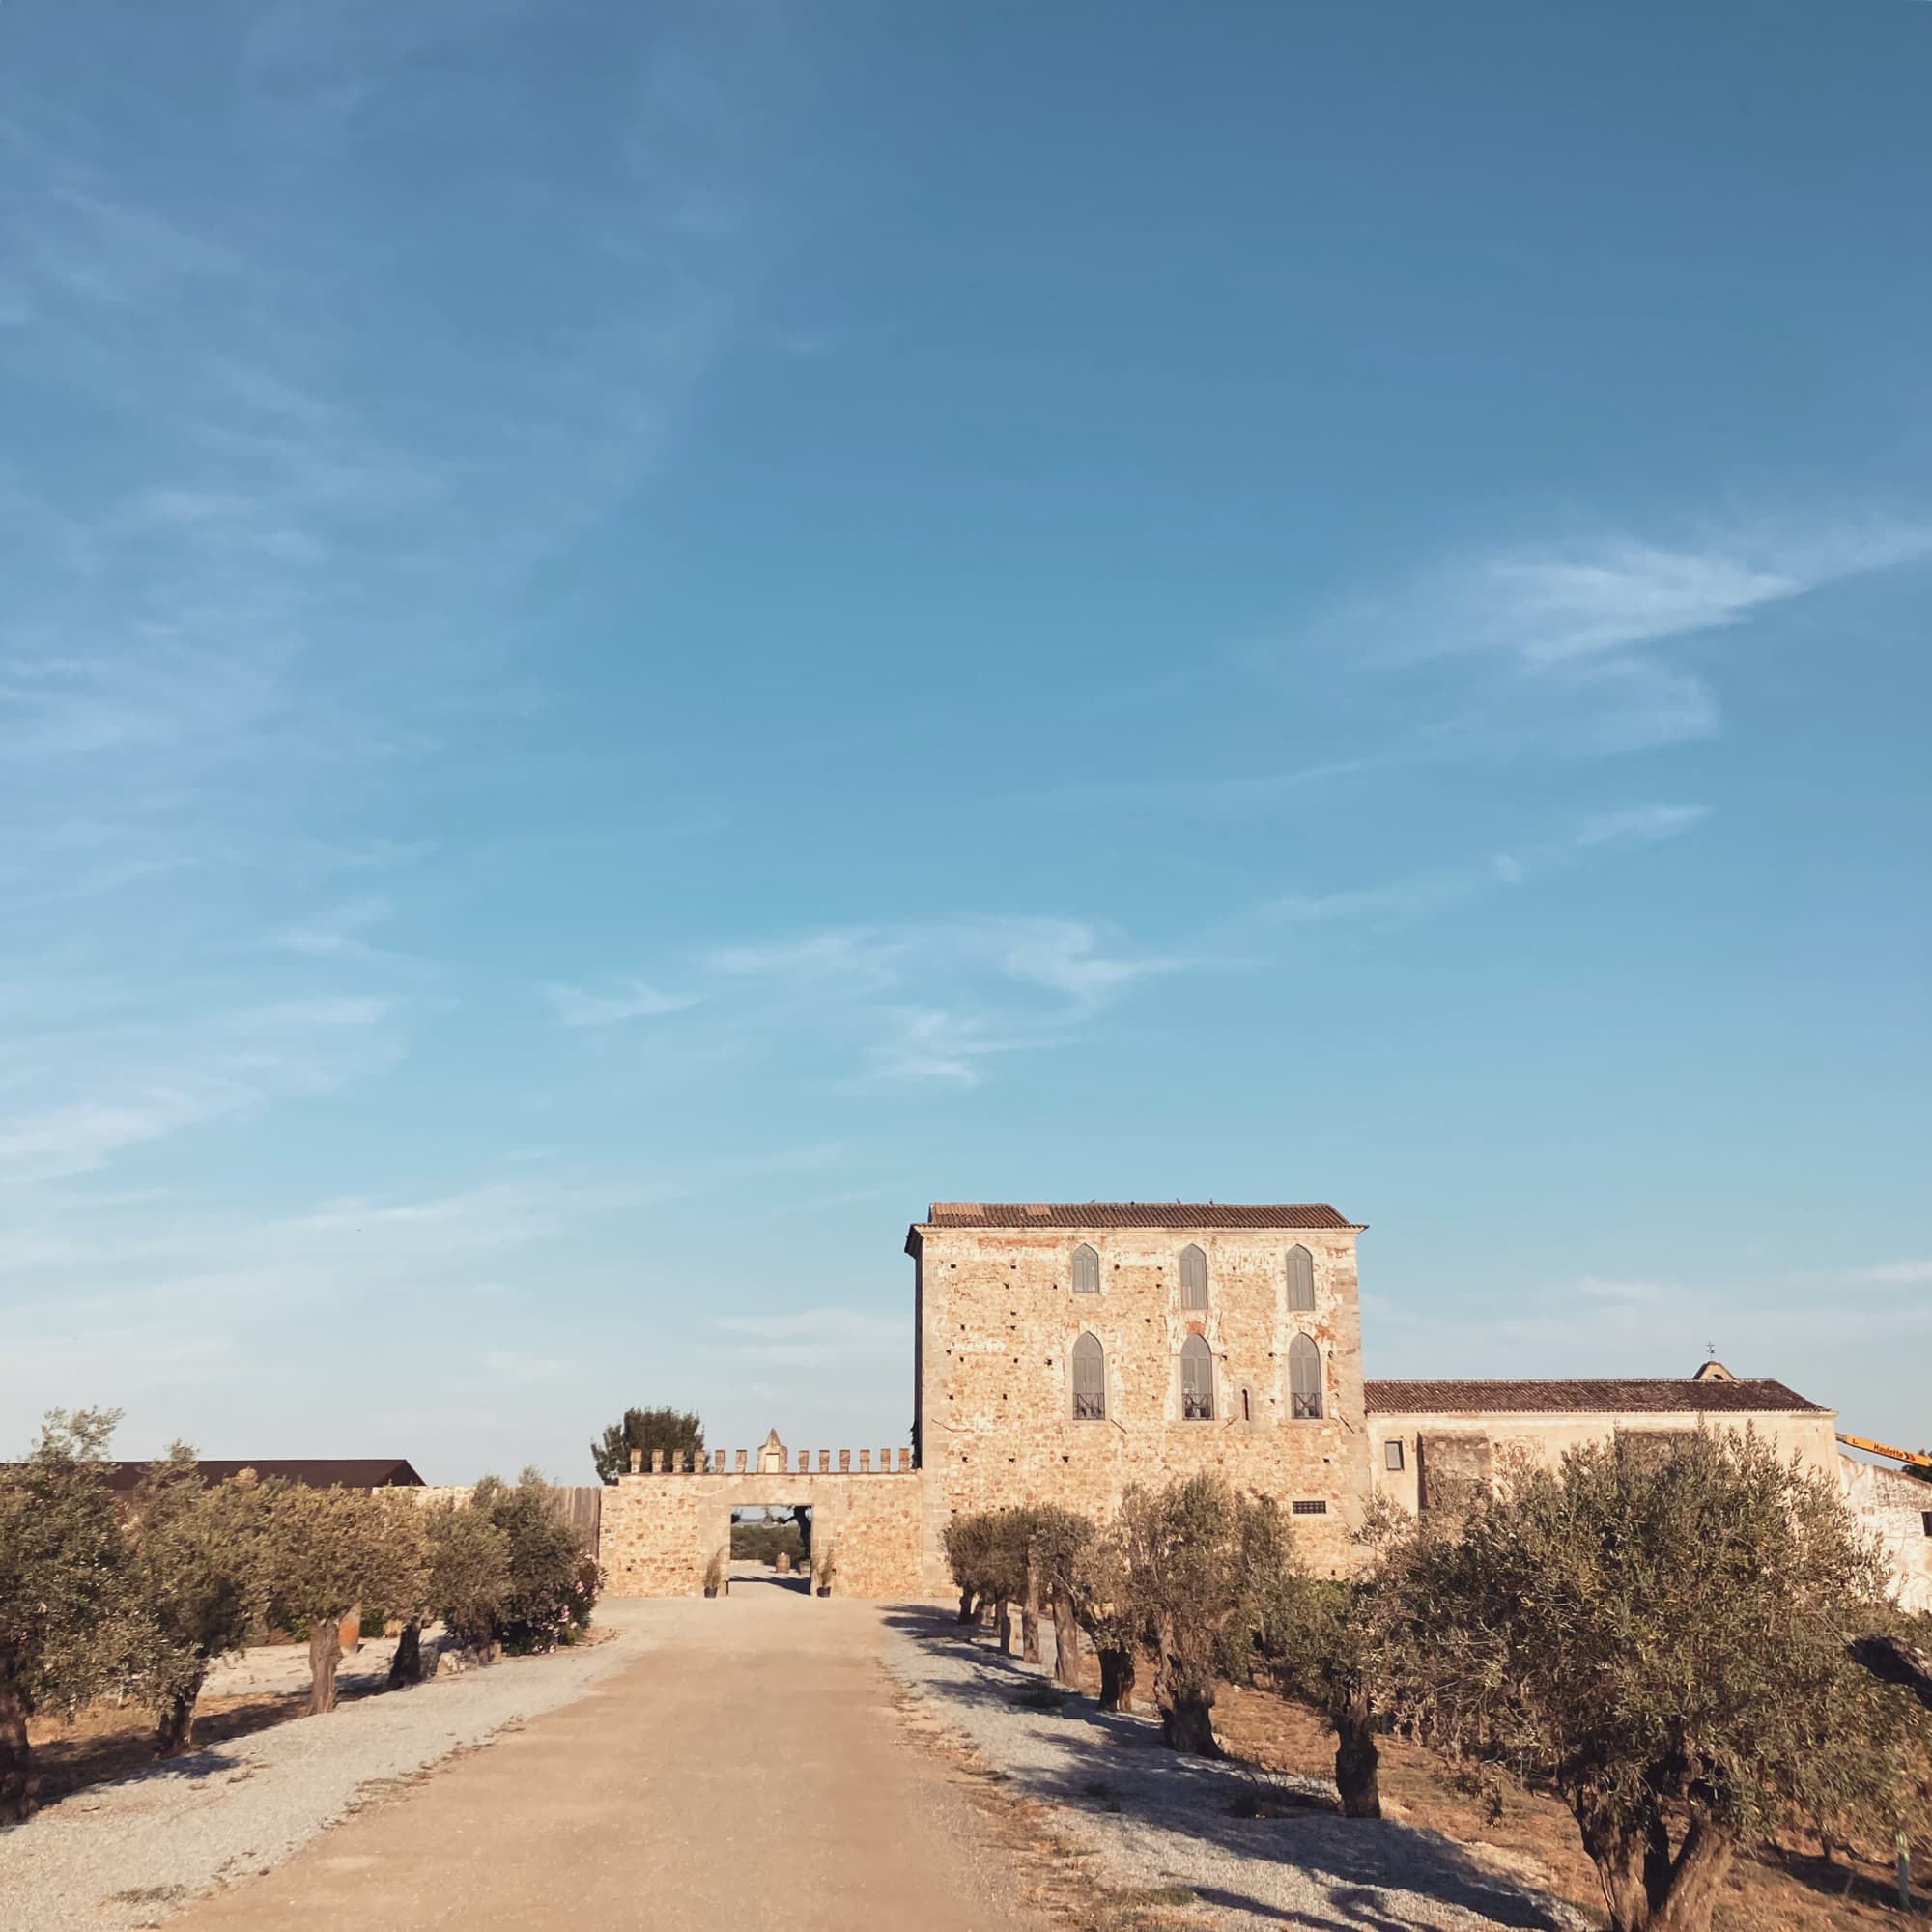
(771, 1546)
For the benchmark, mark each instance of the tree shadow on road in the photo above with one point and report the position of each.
(1112, 1762)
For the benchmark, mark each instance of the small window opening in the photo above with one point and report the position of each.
(1089, 1380)
(1392, 1456)
(1193, 1277)
(1313, 1508)
(1086, 1270)
(1300, 1280)
(1248, 1406)
(1197, 1381)
(1304, 1380)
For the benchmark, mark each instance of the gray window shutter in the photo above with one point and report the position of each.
(1300, 1279)
(1197, 1381)
(1086, 1270)
(1304, 1380)
(1090, 1381)
(1193, 1277)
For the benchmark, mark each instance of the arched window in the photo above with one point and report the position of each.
(1304, 1380)
(1087, 1271)
(1193, 1277)
(1300, 1279)
(1089, 1380)
(1197, 1379)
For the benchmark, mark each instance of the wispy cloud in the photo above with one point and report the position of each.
(1583, 645)
(633, 999)
(1400, 902)
(918, 1002)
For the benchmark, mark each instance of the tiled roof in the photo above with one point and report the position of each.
(1582, 1398)
(1131, 1214)
(315, 1472)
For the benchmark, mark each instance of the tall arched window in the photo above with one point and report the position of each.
(1087, 1270)
(1090, 1381)
(1197, 1381)
(1300, 1279)
(1304, 1380)
(1193, 1277)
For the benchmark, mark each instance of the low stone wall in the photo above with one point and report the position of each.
(661, 1529)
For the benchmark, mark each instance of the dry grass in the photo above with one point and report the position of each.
(108, 1741)
(1782, 1890)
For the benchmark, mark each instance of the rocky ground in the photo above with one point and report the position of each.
(1167, 1826)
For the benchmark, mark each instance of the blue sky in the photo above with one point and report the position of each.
(636, 640)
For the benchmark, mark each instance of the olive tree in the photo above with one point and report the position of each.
(552, 1582)
(1205, 1575)
(69, 1629)
(1058, 1541)
(1325, 1653)
(329, 1549)
(199, 1572)
(1664, 1640)
(988, 1555)
(969, 1541)
(465, 1578)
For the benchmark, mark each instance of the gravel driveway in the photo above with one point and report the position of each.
(1156, 1818)
(133, 1851)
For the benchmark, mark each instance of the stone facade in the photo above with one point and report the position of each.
(661, 1529)
(998, 1316)
(1049, 1345)
(1472, 1444)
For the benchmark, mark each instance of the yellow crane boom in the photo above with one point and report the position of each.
(1918, 1460)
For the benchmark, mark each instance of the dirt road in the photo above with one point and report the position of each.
(748, 1772)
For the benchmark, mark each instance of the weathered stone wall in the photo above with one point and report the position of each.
(997, 1318)
(1544, 1440)
(661, 1530)
(1897, 1509)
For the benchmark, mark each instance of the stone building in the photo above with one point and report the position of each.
(1064, 1350)
(1433, 1443)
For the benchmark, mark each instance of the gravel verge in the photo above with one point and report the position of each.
(134, 1852)
(1157, 1819)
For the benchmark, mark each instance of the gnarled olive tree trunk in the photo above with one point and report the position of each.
(17, 1780)
(1356, 1759)
(1696, 1879)
(1066, 1642)
(1646, 1889)
(1003, 1624)
(1030, 1616)
(325, 1653)
(1116, 1680)
(406, 1667)
(1186, 1710)
(174, 1733)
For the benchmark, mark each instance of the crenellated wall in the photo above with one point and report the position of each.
(661, 1526)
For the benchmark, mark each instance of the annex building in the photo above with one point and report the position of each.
(1064, 1350)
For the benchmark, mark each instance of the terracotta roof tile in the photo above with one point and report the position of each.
(1132, 1215)
(316, 1472)
(1582, 1398)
